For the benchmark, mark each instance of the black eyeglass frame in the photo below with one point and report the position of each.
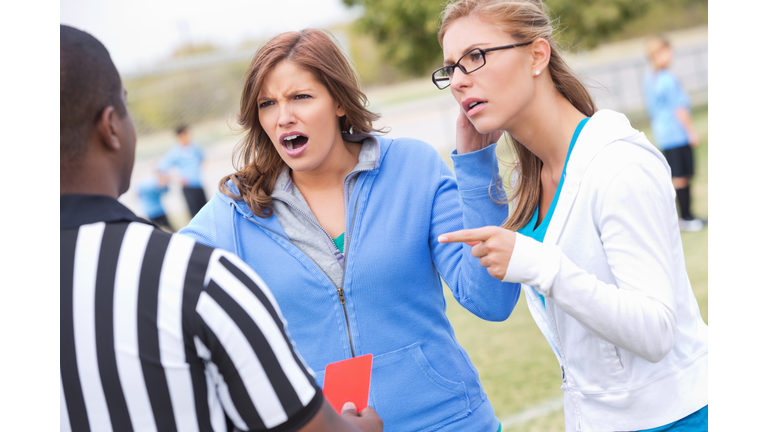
(458, 63)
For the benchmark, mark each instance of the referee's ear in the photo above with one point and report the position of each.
(107, 129)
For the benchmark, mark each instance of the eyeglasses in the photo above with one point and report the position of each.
(471, 61)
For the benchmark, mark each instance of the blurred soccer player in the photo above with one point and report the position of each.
(186, 157)
(669, 108)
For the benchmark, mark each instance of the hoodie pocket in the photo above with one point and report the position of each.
(410, 395)
(596, 367)
(611, 355)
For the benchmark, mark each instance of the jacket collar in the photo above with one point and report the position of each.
(77, 209)
(369, 159)
(605, 127)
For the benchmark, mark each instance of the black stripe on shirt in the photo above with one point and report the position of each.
(193, 286)
(104, 325)
(257, 291)
(149, 345)
(261, 348)
(239, 395)
(297, 420)
(70, 377)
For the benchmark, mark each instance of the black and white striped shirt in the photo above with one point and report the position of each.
(161, 333)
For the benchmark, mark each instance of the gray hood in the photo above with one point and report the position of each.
(301, 226)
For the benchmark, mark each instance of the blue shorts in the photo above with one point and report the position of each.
(695, 422)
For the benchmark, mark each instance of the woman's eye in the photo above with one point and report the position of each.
(475, 56)
(265, 104)
(303, 96)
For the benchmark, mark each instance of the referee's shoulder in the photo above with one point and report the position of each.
(205, 266)
(214, 263)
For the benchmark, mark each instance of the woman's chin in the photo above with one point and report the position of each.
(484, 126)
(300, 165)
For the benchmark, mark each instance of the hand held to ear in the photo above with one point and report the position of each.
(468, 139)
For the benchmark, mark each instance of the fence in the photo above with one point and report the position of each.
(618, 84)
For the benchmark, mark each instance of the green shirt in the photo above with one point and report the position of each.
(339, 242)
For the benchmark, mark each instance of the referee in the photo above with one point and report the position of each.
(158, 332)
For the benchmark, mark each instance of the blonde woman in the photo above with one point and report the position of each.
(593, 233)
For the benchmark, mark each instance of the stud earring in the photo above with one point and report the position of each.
(537, 73)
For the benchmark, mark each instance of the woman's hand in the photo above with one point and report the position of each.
(468, 139)
(493, 245)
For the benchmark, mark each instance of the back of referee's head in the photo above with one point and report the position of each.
(97, 139)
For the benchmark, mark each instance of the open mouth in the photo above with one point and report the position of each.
(474, 106)
(294, 141)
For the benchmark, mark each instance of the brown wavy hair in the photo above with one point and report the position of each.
(525, 20)
(318, 53)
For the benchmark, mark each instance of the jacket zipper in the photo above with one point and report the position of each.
(559, 344)
(339, 290)
(342, 300)
(347, 242)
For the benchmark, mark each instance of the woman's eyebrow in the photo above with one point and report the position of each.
(262, 96)
(301, 90)
(450, 61)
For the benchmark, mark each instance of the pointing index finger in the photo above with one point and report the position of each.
(466, 236)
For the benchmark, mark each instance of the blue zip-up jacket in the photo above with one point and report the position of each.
(393, 305)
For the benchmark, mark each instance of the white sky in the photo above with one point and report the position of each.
(139, 32)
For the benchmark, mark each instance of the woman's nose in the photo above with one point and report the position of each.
(459, 79)
(287, 118)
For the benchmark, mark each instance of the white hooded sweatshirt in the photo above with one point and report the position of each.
(620, 313)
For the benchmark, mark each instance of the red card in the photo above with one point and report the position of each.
(348, 381)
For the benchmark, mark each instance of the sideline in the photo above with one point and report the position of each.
(531, 413)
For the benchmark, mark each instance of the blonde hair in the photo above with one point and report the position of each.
(316, 52)
(655, 42)
(525, 20)
(653, 45)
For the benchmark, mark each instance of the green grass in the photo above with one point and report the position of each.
(516, 366)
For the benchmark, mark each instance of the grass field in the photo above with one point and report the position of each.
(516, 366)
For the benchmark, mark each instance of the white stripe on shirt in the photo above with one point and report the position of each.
(234, 259)
(83, 311)
(218, 393)
(239, 263)
(170, 335)
(126, 326)
(269, 328)
(252, 374)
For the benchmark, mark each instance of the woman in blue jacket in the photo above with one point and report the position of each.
(343, 225)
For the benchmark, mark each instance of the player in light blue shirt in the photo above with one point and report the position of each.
(151, 189)
(186, 157)
(669, 108)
